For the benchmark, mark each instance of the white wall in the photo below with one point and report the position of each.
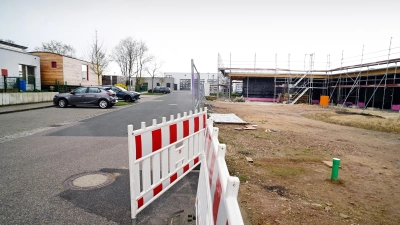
(149, 80)
(11, 60)
(178, 76)
(72, 70)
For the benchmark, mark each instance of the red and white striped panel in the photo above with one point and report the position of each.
(163, 153)
(164, 185)
(216, 186)
(152, 139)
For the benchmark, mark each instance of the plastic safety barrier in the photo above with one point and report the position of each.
(161, 154)
(216, 201)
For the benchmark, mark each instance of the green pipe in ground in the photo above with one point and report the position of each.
(335, 169)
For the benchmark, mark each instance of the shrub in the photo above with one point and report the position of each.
(121, 85)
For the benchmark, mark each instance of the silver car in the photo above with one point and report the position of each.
(100, 96)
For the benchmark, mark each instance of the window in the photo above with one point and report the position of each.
(80, 90)
(53, 64)
(93, 90)
(31, 70)
(85, 74)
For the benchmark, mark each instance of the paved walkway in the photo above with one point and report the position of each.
(25, 107)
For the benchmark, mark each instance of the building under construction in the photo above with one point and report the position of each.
(372, 82)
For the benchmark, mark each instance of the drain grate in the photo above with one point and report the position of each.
(89, 181)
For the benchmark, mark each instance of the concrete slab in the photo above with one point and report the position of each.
(227, 118)
(6, 98)
(40, 97)
(25, 98)
(12, 99)
(35, 97)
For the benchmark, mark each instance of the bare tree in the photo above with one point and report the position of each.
(143, 57)
(57, 47)
(125, 55)
(162, 80)
(153, 70)
(98, 58)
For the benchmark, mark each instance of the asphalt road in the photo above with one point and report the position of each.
(42, 148)
(115, 124)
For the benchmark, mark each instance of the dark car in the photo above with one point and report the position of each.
(124, 94)
(160, 89)
(101, 96)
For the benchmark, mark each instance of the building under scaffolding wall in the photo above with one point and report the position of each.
(370, 83)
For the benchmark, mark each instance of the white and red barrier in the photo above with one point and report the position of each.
(161, 154)
(216, 201)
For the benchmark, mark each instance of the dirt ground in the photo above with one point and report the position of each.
(287, 183)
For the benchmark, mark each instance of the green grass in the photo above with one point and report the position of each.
(242, 178)
(121, 103)
(209, 98)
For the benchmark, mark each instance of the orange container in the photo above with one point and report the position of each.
(324, 100)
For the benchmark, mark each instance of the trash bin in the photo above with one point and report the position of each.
(22, 85)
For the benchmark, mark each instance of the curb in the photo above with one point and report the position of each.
(21, 110)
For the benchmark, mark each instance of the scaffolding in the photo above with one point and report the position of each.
(361, 81)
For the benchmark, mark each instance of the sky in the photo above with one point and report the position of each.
(242, 32)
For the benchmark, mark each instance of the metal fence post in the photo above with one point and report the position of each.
(193, 99)
(5, 84)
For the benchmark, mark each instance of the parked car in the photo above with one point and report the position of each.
(101, 96)
(123, 94)
(160, 89)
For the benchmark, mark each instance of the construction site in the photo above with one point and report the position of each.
(367, 80)
(283, 160)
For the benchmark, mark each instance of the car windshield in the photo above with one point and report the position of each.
(122, 89)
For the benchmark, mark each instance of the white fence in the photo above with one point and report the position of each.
(216, 201)
(161, 154)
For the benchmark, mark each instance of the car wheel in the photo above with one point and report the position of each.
(103, 104)
(62, 103)
(165, 92)
(128, 98)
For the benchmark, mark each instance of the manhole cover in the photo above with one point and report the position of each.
(89, 181)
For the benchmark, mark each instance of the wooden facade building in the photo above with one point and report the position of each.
(60, 70)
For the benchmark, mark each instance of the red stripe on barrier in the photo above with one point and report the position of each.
(157, 190)
(173, 133)
(173, 178)
(156, 139)
(204, 121)
(217, 199)
(185, 128)
(140, 202)
(211, 167)
(138, 142)
(196, 160)
(227, 222)
(185, 168)
(196, 124)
